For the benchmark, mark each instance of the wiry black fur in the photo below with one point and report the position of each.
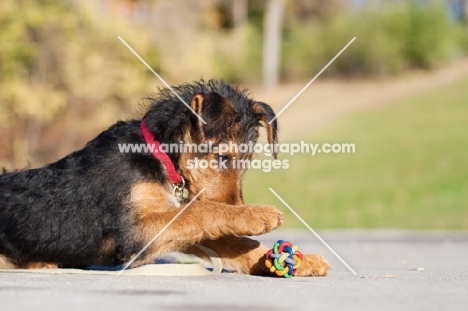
(166, 106)
(61, 213)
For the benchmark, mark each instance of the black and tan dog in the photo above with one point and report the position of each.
(100, 205)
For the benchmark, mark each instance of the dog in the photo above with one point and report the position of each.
(100, 205)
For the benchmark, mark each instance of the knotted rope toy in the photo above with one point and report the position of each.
(283, 259)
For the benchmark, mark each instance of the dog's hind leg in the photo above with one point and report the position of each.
(241, 254)
(6, 263)
(40, 265)
(199, 222)
(247, 256)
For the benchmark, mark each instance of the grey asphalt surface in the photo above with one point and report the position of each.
(397, 270)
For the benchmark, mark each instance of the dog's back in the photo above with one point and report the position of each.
(63, 212)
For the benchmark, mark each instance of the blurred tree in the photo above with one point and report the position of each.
(232, 13)
(272, 29)
(308, 10)
(465, 10)
(240, 12)
(63, 75)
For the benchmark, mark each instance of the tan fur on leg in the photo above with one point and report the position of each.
(5, 263)
(40, 265)
(314, 265)
(242, 254)
(248, 256)
(199, 222)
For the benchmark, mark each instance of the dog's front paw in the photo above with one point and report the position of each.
(314, 265)
(263, 219)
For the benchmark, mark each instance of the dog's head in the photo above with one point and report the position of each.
(215, 131)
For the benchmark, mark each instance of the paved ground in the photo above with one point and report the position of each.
(396, 271)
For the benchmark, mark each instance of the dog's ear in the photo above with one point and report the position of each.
(218, 113)
(197, 106)
(264, 113)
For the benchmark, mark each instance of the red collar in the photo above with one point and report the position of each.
(172, 174)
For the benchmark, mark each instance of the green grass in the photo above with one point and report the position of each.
(410, 169)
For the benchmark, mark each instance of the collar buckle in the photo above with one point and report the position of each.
(180, 192)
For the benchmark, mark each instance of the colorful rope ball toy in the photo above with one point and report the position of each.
(283, 259)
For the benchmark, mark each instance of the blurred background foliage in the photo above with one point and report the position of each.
(395, 37)
(65, 76)
(61, 68)
(61, 64)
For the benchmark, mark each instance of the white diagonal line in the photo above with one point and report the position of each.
(159, 233)
(161, 79)
(312, 230)
(311, 81)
